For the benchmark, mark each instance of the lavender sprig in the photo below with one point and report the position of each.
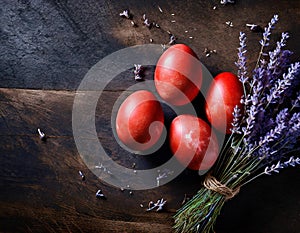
(236, 121)
(296, 102)
(274, 55)
(267, 32)
(275, 168)
(159, 205)
(274, 63)
(278, 90)
(252, 107)
(267, 141)
(293, 131)
(266, 38)
(241, 63)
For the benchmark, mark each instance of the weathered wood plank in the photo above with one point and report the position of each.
(41, 188)
(43, 176)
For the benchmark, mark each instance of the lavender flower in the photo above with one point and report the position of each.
(265, 40)
(283, 84)
(162, 175)
(296, 102)
(284, 59)
(172, 39)
(125, 14)
(224, 2)
(241, 63)
(266, 35)
(280, 165)
(250, 120)
(253, 107)
(277, 62)
(42, 135)
(147, 23)
(254, 27)
(236, 120)
(99, 194)
(273, 135)
(81, 175)
(159, 205)
(294, 126)
(103, 169)
(282, 116)
(275, 55)
(138, 72)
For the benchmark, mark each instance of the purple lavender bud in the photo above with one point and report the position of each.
(265, 40)
(294, 124)
(281, 165)
(276, 93)
(296, 102)
(271, 136)
(284, 59)
(236, 120)
(274, 63)
(241, 63)
(282, 116)
(267, 31)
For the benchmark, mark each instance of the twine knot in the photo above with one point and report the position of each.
(213, 184)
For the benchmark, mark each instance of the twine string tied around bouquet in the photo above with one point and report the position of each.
(213, 184)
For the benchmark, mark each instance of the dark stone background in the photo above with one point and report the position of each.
(46, 48)
(52, 44)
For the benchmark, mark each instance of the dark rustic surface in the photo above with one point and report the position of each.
(46, 48)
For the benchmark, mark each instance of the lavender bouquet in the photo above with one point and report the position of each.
(265, 133)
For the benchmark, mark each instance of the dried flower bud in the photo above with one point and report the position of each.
(99, 194)
(125, 14)
(81, 175)
(41, 134)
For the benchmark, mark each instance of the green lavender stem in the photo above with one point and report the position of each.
(200, 213)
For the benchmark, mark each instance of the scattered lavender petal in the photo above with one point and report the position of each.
(158, 205)
(125, 14)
